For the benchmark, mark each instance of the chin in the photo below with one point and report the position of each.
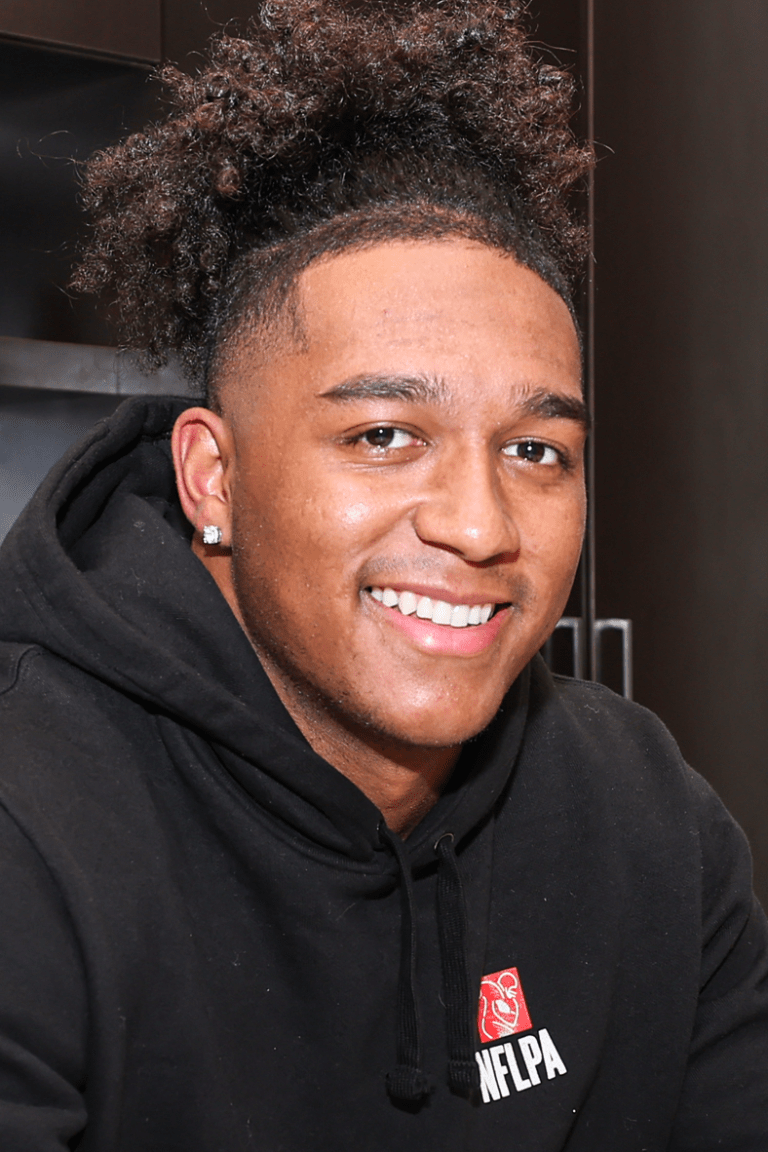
(431, 728)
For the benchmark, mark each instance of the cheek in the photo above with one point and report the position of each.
(301, 532)
(354, 515)
(554, 532)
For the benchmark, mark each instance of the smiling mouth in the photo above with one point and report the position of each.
(438, 611)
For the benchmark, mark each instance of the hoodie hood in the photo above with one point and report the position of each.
(98, 570)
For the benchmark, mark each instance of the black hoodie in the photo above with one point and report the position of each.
(211, 944)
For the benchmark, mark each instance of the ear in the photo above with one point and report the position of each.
(203, 453)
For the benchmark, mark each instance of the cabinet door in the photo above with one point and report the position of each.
(681, 104)
(128, 28)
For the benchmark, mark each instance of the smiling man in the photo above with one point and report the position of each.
(302, 845)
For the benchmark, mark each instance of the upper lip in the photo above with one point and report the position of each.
(450, 595)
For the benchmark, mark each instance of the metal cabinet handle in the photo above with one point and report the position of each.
(625, 627)
(575, 625)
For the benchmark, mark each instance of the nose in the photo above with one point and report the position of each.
(464, 510)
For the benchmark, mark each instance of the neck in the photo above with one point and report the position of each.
(403, 780)
(404, 784)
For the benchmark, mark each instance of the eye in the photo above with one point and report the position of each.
(533, 452)
(383, 438)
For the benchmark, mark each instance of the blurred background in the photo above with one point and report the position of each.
(675, 93)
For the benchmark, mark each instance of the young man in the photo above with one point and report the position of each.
(302, 846)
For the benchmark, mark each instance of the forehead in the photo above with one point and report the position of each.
(452, 309)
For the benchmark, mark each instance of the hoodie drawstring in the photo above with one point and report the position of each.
(407, 1081)
(463, 1073)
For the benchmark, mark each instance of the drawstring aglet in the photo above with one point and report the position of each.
(404, 1083)
(463, 1077)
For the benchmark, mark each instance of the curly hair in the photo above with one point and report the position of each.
(321, 130)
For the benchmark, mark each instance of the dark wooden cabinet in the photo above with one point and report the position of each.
(57, 108)
(681, 358)
(680, 353)
(127, 28)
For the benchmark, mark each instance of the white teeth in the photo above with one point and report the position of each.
(438, 611)
(442, 612)
(460, 616)
(408, 602)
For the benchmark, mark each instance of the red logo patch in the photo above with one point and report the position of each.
(502, 1010)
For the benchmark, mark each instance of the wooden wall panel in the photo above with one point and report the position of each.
(682, 375)
(128, 28)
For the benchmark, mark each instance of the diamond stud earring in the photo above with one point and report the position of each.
(212, 534)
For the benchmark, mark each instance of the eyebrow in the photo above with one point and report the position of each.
(556, 406)
(417, 389)
(542, 402)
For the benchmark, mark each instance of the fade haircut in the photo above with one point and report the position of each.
(323, 130)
